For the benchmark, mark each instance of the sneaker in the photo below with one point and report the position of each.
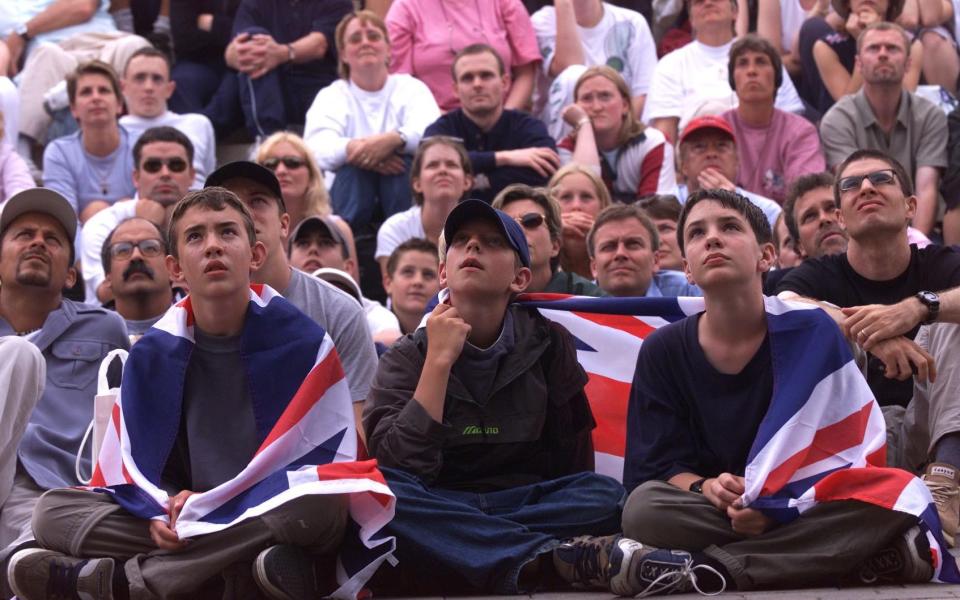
(907, 560)
(588, 562)
(943, 480)
(656, 571)
(285, 572)
(37, 574)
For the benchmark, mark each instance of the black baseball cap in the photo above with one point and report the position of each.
(245, 169)
(472, 210)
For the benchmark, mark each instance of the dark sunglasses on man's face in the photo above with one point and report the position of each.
(290, 162)
(175, 164)
(877, 178)
(531, 220)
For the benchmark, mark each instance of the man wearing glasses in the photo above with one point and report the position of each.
(901, 304)
(163, 172)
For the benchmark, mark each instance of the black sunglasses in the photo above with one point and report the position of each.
(148, 248)
(153, 165)
(877, 178)
(531, 220)
(290, 162)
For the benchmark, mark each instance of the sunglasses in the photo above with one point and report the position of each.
(153, 165)
(290, 162)
(148, 248)
(531, 220)
(877, 178)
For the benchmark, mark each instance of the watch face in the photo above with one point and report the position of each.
(928, 297)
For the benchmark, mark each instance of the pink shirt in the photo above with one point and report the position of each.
(772, 157)
(426, 34)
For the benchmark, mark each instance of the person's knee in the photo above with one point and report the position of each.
(643, 511)
(47, 522)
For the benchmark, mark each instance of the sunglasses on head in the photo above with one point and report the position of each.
(877, 178)
(290, 162)
(175, 164)
(531, 220)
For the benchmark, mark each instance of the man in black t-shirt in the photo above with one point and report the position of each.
(886, 290)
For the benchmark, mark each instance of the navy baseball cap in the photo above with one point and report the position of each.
(471, 210)
(245, 169)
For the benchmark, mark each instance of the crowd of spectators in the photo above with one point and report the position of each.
(555, 148)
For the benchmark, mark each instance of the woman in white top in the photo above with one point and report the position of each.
(633, 160)
(366, 126)
(301, 181)
(440, 176)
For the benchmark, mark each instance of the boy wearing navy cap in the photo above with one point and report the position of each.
(481, 426)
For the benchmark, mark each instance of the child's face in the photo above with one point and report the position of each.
(481, 262)
(721, 248)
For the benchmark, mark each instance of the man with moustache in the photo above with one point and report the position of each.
(42, 431)
(162, 174)
(133, 259)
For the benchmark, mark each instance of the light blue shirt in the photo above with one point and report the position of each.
(82, 177)
(670, 284)
(15, 12)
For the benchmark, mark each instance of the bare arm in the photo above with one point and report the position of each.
(928, 186)
(62, 13)
(637, 103)
(569, 50)
(667, 125)
(911, 79)
(585, 151)
(768, 23)
(521, 89)
(838, 81)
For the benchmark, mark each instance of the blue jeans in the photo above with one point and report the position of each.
(478, 543)
(357, 193)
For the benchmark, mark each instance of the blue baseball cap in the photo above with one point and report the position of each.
(472, 210)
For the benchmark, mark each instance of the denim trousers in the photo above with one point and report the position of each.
(478, 542)
(357, 194)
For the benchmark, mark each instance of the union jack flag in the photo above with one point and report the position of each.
(304, 417)
(823, 437)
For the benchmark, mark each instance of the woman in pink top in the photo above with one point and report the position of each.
(427, 34)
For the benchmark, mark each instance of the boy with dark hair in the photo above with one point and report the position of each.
(701, 401)
(482, 427)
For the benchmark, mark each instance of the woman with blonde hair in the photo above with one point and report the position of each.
(581, 195)
(634, 160)
(301, 181)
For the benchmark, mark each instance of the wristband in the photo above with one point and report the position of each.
(697, 486)
(580, 124)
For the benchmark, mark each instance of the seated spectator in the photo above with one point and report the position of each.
(774, 147)
(14, 173)
(43, 433)
(950, 185)
(411, 281)
(885, 116)
(301, 181)
(91, 168)
(485, 406)
(634, 160)
(440, 176)
(339, 316)
(201, 31)
(886, 290)
(573, 35)
(146, 87)
(47, 40)
(696, 73)
(687, 452)
(428, 38)
(209, 373)
(315, 245)
(506, 146)
(708, 160)
(828, 55)
(623, 245)
(788, 252)
(812, 217)
(365, 127)
(934, 24)
(282, 58)
(581, 195)
(664, 211)
(133, 260)
(539, 216)
(162, 175)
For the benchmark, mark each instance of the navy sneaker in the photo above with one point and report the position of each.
(285, 572)
(589, 562)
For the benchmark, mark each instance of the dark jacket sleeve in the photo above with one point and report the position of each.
(400, 433)
(526, 132)
(950, 186)
(571, 420)
(194, 43)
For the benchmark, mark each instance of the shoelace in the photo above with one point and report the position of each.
(942, 492)
(587, 565)
(671, 580)
(62, 582)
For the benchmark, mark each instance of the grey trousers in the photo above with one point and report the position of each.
(88, 524)
(818, 549)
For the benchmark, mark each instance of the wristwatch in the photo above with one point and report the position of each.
(697, 486)
(21, 30)
(932, 302)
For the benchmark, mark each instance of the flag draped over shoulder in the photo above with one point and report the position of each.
(823, 437)
(304, 419)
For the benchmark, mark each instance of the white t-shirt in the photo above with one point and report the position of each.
(621, 40)
(342, 112)
(397, 229)
(690, 76)
(193, 125)
(379, 319)
(792, 17)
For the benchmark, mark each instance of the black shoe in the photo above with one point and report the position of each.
(285, 572)
(907, 560)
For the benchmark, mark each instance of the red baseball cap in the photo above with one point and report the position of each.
(707, 122)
